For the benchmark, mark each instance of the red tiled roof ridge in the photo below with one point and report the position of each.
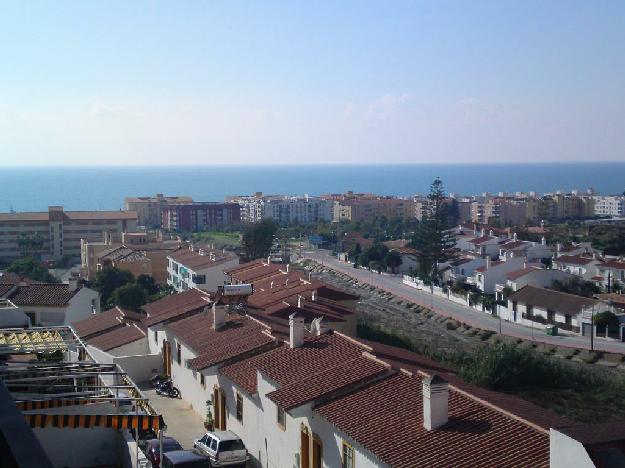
(353, 340)
(497, 408)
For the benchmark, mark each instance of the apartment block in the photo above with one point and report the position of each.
(609, 206)
(200, 216)
(283, 209)
(150, 209)
(367, 210)
(57, 233)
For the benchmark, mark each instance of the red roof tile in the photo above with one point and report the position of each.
(238, 336)
(193, 259)
(574, 259)
(475, 435)
(492, 265)
(117, 337)
(513, 275)
(614, 264)
(176, 306)
(112, 318)
(342, 376)
(43, 294)
(481, 240)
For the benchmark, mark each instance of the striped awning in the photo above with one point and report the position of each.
(114, 421)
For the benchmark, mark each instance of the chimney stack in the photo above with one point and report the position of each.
(72, 284)
(287, 267)
(435, 402)
(271, 285)
(483, 233)
(490, 233)
(296, 331)
(313, 296)
(219, 317)
(514, 237)
(488, 262)
(543, 240)
(318, 327)
(300, 302)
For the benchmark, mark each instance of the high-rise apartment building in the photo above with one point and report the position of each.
(200, 216)
(56, 233)
(150, 209)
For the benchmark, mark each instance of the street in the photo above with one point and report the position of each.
(465, 314)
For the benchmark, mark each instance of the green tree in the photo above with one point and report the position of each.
(354, 253)
(392, 260)
(258, 238)
(576, 286)
(148, 283)
(31, 268)
(432, 238)
(110, 279)
(130, 296)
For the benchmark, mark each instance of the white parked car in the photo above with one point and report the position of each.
(223, 448)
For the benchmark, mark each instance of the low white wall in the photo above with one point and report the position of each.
(139, 368)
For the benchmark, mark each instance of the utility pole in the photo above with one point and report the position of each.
(592, 328)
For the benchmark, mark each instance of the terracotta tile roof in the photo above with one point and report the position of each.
(553, 300)
(597, 433)
(14, 278)
(476, 434)
(617, 299)
(176, 306)
(122, 253)
(514, 245)
(238, 336)
(194, 260)
(104, 321)
(574, 259)
(116, 337)
(406, 250)
(339, 378)
(244, 266)
(513, 275)
(5, 289)
(614, 264)
(257, 272)
(285, 365)
(481, 240)
(43, 294)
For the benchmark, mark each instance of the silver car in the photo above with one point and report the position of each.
(223, 448)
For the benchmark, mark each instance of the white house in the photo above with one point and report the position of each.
(520, 248)
(538, 307)
(532, 274)
(494, 272)
(612, 273)
(52, 304)
(200, 268)
(585, 266)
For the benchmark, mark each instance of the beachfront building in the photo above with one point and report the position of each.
(282, 208)
(56, 233)
(150, 209)
(609, 206)
(200, 216)
(199, 267)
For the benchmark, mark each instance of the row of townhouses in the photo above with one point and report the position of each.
(279, 373)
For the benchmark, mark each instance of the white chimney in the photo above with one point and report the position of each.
(435, 402)
(483, 233)
(313, 296)
(287, 267)
(488, 262)
(524, 265)
(269, 260)
(543, 240)
(72, 284)
(296, 331)
(219, 317)
(490, 233)
(514, 237)
(271, 285)
(300, 302)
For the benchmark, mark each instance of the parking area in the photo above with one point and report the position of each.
(184, 424)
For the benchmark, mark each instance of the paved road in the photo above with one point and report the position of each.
(465, 314)
(183, 424)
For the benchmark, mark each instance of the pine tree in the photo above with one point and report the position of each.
(432, 238)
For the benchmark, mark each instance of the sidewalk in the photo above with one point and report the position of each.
(464, 314)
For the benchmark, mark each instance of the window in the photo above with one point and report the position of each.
(239, 408)
(348, 456)
(281, 418)
(179, 354)
(202, 381)
(213, 444)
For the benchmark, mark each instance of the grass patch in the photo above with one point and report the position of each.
(220, 239)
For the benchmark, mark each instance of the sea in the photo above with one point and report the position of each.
(104, 188)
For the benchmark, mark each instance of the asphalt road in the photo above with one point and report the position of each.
(393, 284)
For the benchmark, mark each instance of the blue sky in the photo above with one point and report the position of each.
(311, 82)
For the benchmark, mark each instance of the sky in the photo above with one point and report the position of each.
(262, 82)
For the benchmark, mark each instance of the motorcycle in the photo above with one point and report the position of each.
(167, 388)
(157, 379)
